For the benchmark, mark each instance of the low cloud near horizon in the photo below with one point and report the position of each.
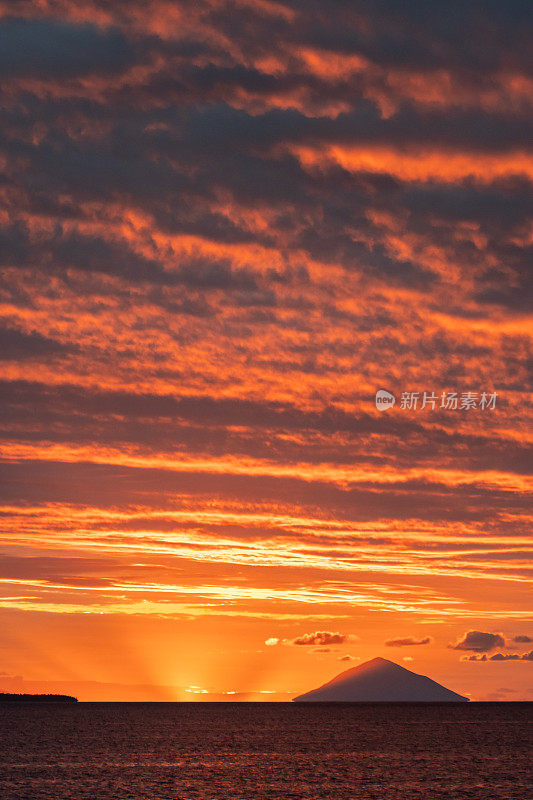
(502, 657)
(479, 641)
(409, 641)
(323, 638)
(320, 638)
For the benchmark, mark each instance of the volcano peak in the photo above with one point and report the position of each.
(380, 681)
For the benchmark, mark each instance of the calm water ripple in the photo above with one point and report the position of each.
(265, 751)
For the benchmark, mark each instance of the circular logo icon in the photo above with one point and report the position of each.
(384, 400)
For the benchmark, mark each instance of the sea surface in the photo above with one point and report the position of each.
(279, 751)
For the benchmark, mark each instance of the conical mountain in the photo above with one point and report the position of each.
(380, 681)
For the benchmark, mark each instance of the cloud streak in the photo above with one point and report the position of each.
(408, 641)
(323, 638)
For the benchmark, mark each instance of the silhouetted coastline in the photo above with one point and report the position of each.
(37, 698)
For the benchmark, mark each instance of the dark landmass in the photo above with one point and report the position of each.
(36, 698)
(380, 681)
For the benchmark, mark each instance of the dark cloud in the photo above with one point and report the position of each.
(52, 568)
(17, 345)
(49, 48)
(201, 424)
(473, 40)
(322, 638)
(325, 212)
(409, 641)
(479, 641)
(61, 251)
(515, 298)
(218, 128)
(512, 657)
(58, 252)
(523, 639)
(474, 37)
(503, 657)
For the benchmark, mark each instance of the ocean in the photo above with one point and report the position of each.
(274, 751)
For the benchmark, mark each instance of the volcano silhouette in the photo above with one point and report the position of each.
(380, 681)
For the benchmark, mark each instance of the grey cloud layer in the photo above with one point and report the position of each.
(49, 48)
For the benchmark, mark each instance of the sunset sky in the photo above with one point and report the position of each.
(223, 227)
